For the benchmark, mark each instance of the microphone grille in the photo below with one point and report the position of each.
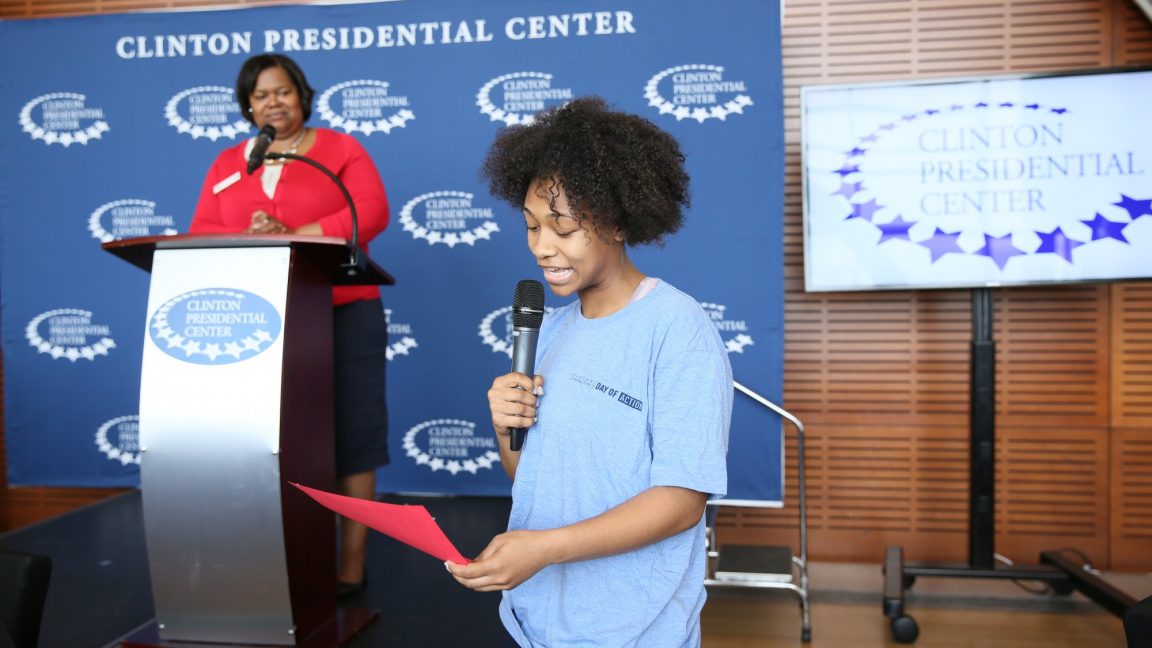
(528, 304)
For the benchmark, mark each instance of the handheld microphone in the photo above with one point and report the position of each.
(263, 141)
(527, 314)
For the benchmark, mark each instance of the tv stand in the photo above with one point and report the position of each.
(1064, 575)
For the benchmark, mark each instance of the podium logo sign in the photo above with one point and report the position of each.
(451, 445)
(496, 329)
(734, 332)
(365, 106)
(447, 218)
(516, 98)
(210, 112)
(215, 326)
(121, 219)
(119, 439)
(699, 92)
(62, 118)
(69, 333)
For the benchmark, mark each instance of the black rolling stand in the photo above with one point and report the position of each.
(1064, 575)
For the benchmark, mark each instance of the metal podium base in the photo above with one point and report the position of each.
(348, 623)
(1063, 575)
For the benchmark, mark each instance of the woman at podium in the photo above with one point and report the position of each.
(286, 197)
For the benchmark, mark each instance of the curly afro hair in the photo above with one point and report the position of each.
(618, 170)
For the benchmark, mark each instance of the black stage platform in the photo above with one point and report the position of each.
(100, 591)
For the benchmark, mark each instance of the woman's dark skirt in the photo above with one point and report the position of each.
(360, 347)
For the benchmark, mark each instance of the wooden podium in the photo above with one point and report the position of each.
(236, 400)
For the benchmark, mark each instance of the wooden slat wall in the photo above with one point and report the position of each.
(57, 8)
(1131, 483)
(880, 379)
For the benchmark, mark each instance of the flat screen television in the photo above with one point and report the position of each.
(978, 182)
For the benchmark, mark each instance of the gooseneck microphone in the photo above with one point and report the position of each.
(527, 314)
(355, 269)
(263, 141)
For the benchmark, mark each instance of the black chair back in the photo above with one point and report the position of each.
(23, 590)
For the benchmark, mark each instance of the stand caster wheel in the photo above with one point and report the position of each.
(806, 635)
(905, 630)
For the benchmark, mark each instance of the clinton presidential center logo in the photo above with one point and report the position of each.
(697, 92)
(985, 182)
(951, 172)
(364, 106)
(119, 439)
(69, 333)
(496, 329)
(447, 218)
(129, 218)
(516, 98)
(734, 332)
(215, 326)
(406, 342)
(206, 111)
(451, 445)
(62, 118)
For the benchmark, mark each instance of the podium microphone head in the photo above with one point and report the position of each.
(263, 140)
(528, 304)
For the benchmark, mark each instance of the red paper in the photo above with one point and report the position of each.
(412, 525)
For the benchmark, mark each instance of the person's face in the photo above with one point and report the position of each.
(275, 101)
(575, 258)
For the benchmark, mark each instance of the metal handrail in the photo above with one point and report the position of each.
(800, 489)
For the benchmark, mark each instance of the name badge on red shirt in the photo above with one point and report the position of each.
(226, 182)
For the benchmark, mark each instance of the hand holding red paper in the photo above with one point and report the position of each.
(412, 525)
(510, 559)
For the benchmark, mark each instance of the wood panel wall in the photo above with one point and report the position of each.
(881, 379)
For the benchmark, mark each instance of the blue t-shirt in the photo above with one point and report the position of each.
(637, 399)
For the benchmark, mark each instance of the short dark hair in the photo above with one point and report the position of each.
(617, 169)
(250, 71)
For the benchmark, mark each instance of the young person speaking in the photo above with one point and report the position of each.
(628, 416)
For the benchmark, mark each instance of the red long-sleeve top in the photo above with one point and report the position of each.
(303, 195)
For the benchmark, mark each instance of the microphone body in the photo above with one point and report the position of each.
(527, 315)
(263, 141)
(523, 361)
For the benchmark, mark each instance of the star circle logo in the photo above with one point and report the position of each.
(406, 342)
(64, 118)
(734, 332)
(215, 326)
(451, 445)
(697, 92)
(364, 106)
(933, 223)
(520, 95)
(67, 333)
(210, 112)
(119, 439)
(447, 218)
(128, 218)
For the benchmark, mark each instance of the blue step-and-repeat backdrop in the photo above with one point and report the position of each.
(109, 123)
